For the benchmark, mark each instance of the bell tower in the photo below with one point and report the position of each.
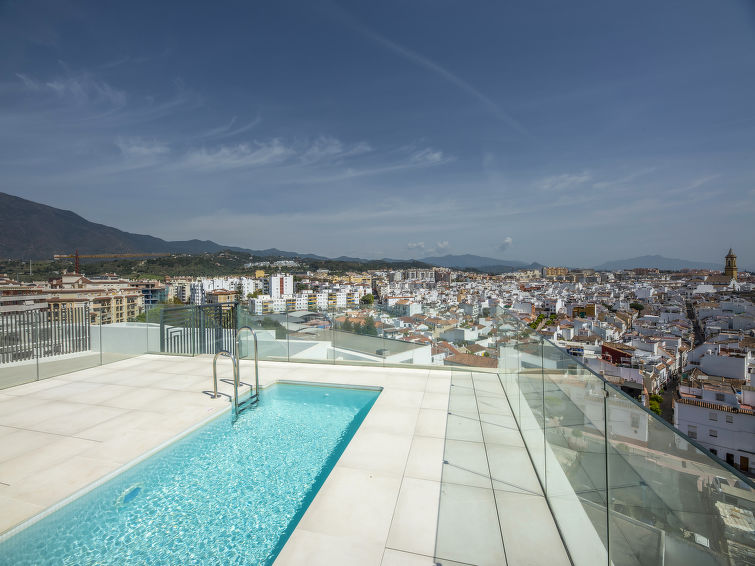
(731, 265)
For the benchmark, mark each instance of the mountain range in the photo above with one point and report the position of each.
(30, 230)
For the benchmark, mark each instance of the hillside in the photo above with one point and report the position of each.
(29, 230)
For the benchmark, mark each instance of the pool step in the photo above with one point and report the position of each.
(248, 402)
(243, 405)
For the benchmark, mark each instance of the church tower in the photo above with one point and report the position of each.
(731, 265)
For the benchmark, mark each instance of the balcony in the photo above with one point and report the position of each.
(536, 461)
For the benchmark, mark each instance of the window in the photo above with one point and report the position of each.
(719, 396)
(712, 416)
(713, 433)
(692, 431)
(714, 451)
(729, 418)
(635, 421)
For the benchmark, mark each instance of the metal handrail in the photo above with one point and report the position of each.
(238, 365)
(227, 354)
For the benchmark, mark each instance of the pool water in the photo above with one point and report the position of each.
(225, 494)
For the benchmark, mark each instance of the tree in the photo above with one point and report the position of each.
(347, 326)
(655, 404)
(637, 306)
(367, 299)
(368, 328)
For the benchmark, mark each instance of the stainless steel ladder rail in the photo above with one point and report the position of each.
(227, 354)
(254, 397)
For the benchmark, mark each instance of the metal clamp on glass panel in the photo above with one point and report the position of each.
(215, 371)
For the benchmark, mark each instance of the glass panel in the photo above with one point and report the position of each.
(309, 337)
(575, 480)
(121, 340)
(271, 330)
(176, 329)
(152, 317)
(66, 342)
(355, 338)
(531, 392)
(18, 351)
(508, 362)
(670, 500)
(617, 477)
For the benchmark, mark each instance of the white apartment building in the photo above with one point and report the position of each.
(407, 308)
(265, 304)
(712, 414)
(198, 289)
(280, 285)
(460, 334)
(717, 359)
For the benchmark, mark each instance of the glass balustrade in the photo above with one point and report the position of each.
(623, 486)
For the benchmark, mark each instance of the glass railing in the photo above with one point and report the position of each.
(41, 345)
(624, 487)
(311, 336)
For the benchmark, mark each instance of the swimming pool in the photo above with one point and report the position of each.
(225, 494)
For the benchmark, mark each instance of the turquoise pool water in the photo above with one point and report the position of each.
(225, 494)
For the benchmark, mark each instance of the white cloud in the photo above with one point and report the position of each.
(506, 244)
(327, 148)
(258, 154)
(138, 147)
(564, 181)
(81, 88)
(29, 83)
(428, 156)
(228, 130)
(324, 149)
(623, 180)
(439, 247)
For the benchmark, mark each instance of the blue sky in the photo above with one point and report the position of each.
(559, 132)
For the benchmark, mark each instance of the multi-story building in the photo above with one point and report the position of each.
(221, 296)
(16, 298)
(154, 292)
(280, 285)
(104, 308)
(555, 271)
(712, 413)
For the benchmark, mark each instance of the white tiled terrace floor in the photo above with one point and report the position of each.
(379, 505)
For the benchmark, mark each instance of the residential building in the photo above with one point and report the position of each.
(713, 414)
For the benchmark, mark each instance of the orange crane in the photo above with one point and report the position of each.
(76, 256)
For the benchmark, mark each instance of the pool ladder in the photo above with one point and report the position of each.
(254, 392)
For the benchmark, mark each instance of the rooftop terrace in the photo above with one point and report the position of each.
(535, 461)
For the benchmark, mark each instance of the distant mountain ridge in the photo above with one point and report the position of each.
(657, 262)
(472, 261)
(29, 230)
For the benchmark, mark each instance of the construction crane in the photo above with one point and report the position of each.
(76, 256)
